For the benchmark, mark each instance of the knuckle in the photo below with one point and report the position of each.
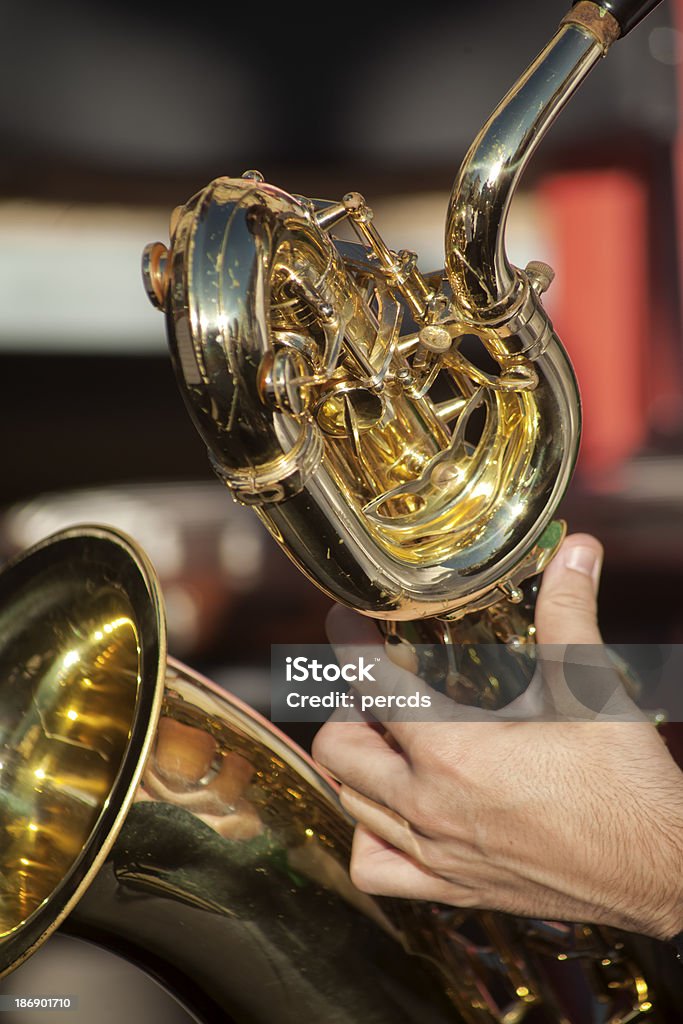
(431, 751)
(416, 809)
(570, 601)
(319, 746)
(435, 858)
(324, 745)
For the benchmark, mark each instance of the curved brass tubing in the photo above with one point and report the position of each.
(145, 809)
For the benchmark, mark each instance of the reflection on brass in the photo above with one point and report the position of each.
(155, 269)
(74, 730)
(71, 685)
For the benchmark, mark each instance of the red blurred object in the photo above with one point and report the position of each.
(600, 304)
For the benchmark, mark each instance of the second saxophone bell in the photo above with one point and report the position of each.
(144, 809)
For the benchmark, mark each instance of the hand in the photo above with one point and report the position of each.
(562, 820)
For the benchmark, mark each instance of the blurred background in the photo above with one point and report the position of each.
(112, 114)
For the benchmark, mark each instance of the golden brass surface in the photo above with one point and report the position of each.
(78, 703)
(408, 460)
(406, 438)
(64, 737)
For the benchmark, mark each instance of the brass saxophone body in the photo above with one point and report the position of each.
(312, 380)
(406, 438)
(331, 382)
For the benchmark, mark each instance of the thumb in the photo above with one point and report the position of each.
(566, 610)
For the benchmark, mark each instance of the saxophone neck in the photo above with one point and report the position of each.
(485, 285)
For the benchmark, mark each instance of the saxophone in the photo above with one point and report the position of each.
(338, 390)
(406, 438)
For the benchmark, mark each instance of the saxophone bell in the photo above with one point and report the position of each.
(143, 808)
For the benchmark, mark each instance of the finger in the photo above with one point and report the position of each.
(566, 610)
(361, 756)
(381, 870)
(576, 664)
(566, 615)
(383, 822)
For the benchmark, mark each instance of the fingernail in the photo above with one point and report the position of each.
(587, 561)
